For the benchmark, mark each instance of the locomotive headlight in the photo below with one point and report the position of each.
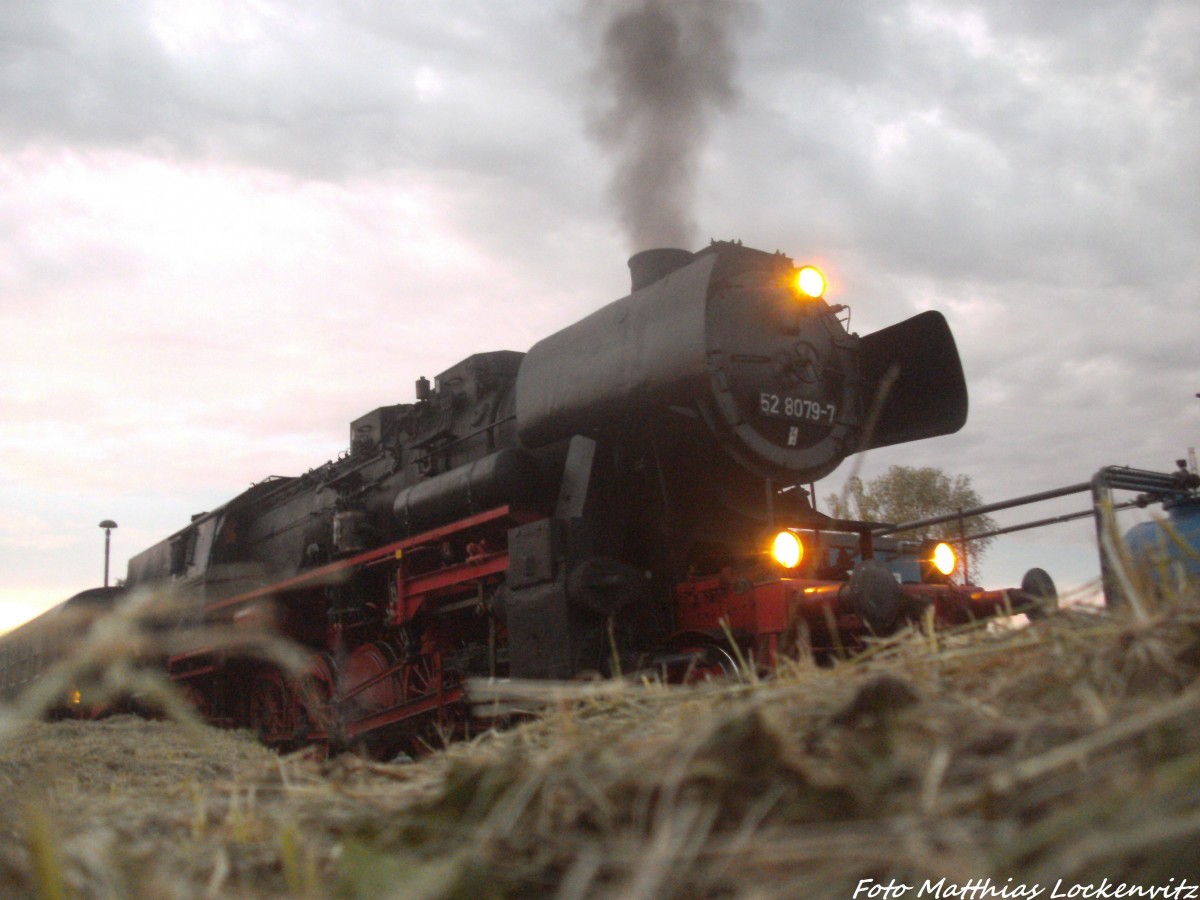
(787, 550)
(944, 558)
(810, 281)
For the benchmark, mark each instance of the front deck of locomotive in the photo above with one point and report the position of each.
(827, 587)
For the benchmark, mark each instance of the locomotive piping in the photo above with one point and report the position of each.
(441, 448)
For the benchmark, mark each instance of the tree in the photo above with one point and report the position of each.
(906, 494)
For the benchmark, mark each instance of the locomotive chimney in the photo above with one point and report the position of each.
(647, 267)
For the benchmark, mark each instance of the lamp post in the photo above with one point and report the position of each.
(108, 525)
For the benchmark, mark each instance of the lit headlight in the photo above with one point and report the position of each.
(787, 550)
(810, 282)
(944, 559)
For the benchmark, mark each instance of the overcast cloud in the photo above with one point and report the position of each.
(229, 228)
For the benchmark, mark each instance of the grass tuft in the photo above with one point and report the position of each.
(1067, 749)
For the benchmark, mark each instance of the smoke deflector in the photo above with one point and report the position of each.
(913, 384)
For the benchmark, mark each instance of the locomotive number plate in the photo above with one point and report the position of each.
(796, 408)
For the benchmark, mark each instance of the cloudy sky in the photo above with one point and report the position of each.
(228, 227)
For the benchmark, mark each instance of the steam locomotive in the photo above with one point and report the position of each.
(627, 495)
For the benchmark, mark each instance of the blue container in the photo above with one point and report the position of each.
(1152, 545)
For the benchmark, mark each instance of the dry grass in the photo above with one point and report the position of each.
(1067, 750)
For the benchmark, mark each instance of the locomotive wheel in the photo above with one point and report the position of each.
(1039, 596)
(272, 707)
(710, 662)
(695, 659)
(420, 678)
(429, 729)
(365, 686)
(316, 702)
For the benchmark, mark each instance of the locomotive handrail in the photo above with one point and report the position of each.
(1041, 523)
(985, 508)
(1153, 487)
(428, 444)
(1110, 478)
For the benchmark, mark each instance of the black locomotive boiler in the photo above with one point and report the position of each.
(607, 499)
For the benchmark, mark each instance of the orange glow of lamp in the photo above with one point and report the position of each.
(787, 550)
(811, 282)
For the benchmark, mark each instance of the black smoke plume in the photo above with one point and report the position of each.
(666, 68)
